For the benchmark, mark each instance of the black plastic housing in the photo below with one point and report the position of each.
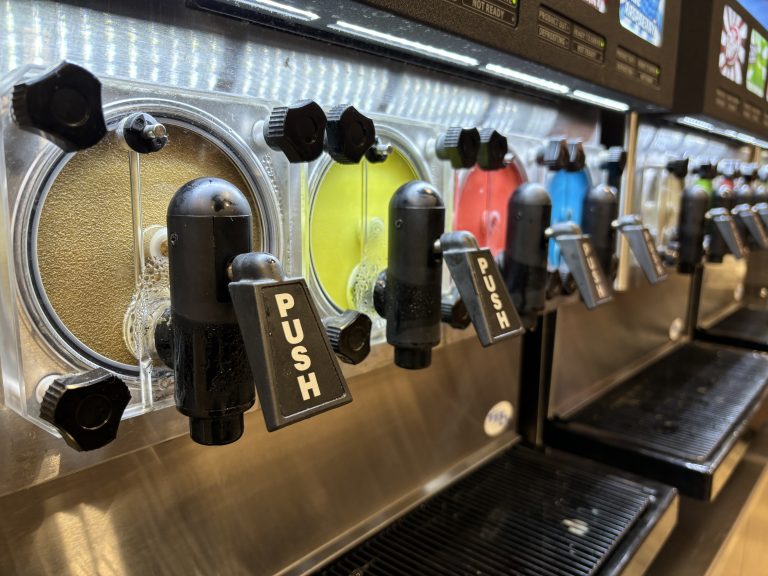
(693, 210)
(601, 208)
(209, 223)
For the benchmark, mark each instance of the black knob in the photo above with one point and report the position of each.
(460, 146)
(454, 312)
(350, 336)
(297, 131)
(63, 105)
(142, 133)
(678, 168)
(704, 169)
(762, 173)
(748, 171)
(86, 408)
(554, 154)
(577, 158)
(728, 168)
(614, 162)
(493, 150)
(348, 134)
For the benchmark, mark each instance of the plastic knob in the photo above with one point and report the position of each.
(748, 170)
(142, 133)
(728, 168)
(86, 409)
(762, 173)
(704, 169)
(577, 158)
(678, 168)
(63, 106)
(350, 336)
(493, 150)
(460, 146)
(454, 312)
(297, 131)
(348, 134)
(554, 154)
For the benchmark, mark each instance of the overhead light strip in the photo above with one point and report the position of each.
(712, 129)
(527, 79)
(600, 101)
(410, 45)
(276, 8)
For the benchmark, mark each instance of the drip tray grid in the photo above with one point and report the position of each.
(524, 513)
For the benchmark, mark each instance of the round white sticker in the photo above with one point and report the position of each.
(498, 418)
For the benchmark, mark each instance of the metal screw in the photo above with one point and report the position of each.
(154, 131)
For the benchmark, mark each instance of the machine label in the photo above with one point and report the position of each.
(560, 31)
(501, 11)
(494, 297)
(498, 418)
(640, 69)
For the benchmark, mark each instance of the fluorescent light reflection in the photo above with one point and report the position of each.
(712, 129)
(527, 79)
(276, 8)
(416, 47)
(600, 101)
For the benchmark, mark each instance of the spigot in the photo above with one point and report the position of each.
(63, 106)
(350, 335)
(236, 320)
(86, 409)
(690, 230)
(750, 226)
(642, 246)
(408, 295)
(460, 146)
(579, 255)
(297, 131)
(349, 135)
(678, 168)
(601, 209)
(613, 161)
(725, 233)
(529, 213)
(493, 150)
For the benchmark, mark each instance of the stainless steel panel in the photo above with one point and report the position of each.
(756, 280)
(593, 349)
(269, 500)
(722, 289)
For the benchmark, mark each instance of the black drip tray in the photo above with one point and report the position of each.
(744, 328)
(676, 421)
(523, 513)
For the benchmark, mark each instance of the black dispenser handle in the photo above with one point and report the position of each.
(748, 220)
(63, 105)
(481, 286)
(726, 231)
(525, 255)
(643, 247)
(291, 358)
(718, 246)
(581, 259)
(221, 328)
(762, 211)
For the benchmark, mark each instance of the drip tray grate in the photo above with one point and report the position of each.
(746, 328)
(523, 513)
(683, 413)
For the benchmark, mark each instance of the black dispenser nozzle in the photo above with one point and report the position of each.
(601, 209)
(63, 105)
(460, 146)
(408, 293)
(525, 254)
(693, 209)
(349, 135)
(236, 320)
